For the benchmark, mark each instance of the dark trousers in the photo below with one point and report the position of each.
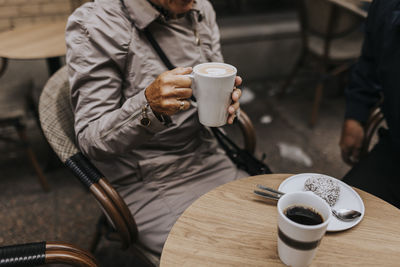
(378, 173)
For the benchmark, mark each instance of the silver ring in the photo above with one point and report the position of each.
(181, 105)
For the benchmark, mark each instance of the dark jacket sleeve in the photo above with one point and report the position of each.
(364, 88)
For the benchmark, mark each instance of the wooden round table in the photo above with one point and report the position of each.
(230, 226)
(35, 41)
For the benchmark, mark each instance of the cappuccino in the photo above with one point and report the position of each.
(215, 70)
(212, 85)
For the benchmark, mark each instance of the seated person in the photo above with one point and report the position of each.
(376, 74)
(117, 79)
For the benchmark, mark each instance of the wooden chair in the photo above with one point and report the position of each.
(13, 113)
(331, 35)
(40, 253)
(57, 122)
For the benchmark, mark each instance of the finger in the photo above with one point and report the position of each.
(181, 93)
(172, 106)
(232, 108)
(355, 155)
(348, 155)
(238, 80)
(181, 71)
(346, 158)
(231, 118)
(236, 94)
(182, 104)
(180, 81)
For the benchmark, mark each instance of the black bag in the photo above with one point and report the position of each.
(242, 158)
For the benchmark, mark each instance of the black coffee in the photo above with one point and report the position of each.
(303, 215)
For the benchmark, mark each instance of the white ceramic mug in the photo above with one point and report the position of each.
(298, 243)
(212, 85)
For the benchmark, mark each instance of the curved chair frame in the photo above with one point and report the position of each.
(375, 119)
(56, 119)
(36, 254)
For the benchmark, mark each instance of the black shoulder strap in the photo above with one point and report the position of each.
(160, 53)
(158, 49)
(241, 158)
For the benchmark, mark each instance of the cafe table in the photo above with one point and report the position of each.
(35, 41)
(230, 226)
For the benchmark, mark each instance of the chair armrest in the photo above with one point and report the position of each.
(375, 119)
(249, 134)
(29, 254)
(90, 176)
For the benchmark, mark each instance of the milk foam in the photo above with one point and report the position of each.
(215, 71)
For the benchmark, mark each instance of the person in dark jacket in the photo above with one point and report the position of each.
(376, 77)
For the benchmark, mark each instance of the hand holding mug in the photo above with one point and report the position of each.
(169, 92)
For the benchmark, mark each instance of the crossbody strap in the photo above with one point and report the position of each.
(161, 53)
(158, 49)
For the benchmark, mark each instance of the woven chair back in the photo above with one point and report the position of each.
(56, 116)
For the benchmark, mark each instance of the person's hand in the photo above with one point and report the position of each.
(351, 141)
(169, 92)
(236, 94)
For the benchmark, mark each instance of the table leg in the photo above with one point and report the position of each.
(53, 64)
(3, 66)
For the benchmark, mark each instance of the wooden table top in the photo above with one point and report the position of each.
(230, 226)
(36, 41)
(353, 6)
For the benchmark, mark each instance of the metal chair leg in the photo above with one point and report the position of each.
(3, 66)
(317, 102)
(32, 158)
(300, 61)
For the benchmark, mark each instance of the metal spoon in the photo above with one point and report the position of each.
(341, 214)
(346, 214)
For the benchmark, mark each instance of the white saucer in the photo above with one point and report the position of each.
(348, 199)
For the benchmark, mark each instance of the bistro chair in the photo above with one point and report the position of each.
(371, 128)
(14, 110)
(331, 36)
(43, 253)
(57, 122)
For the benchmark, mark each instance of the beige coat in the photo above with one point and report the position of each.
(159, 170)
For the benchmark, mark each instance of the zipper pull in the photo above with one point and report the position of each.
(196, 37)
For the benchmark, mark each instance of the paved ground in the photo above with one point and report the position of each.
(68, 212)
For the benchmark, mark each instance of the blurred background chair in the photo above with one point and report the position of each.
(332, 37)
(14, 109)
(57, 122)
(43, 253)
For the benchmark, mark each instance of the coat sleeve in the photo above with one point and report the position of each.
(364, 88)
(106, 124)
